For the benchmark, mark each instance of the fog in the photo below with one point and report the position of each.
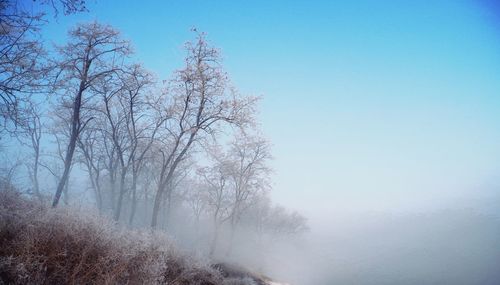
(439, 247)
(325, 143)
(433, 236)
(456, 244)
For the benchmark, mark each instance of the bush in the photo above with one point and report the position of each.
(239, 281)
(39, 245)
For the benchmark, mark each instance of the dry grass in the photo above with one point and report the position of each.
(39, 245)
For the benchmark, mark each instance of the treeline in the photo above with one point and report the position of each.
(149, 147)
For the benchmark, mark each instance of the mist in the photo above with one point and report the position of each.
(252, 143)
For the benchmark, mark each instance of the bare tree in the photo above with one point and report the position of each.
(128, 125)
(198, 100)
(140, 126)
(30, 136)
(249, 172)
(68, 6)
(196, 199)
(94, 52)
(235, 181)
(218, 197)
(23, 66)
(20, 58)
(286, 223)
(273, 221)
(8, 171)
(109, 90)
(59, 129)
(90, 146)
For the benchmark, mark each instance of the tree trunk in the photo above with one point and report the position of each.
(156, 207)
(74, 132)
(94, 180)
(134, 199)
(66, 194)
(158, 197)
(231, 240)
(168, 208)
(213, 245)
(121, 194)
(112, 185)
(75, 129)
(168, 180)
(36, 184)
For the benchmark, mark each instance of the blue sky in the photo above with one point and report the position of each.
(378, 104)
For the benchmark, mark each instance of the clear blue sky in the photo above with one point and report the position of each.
(368, 105)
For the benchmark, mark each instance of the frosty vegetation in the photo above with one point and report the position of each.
(86, 124)
(40, 245)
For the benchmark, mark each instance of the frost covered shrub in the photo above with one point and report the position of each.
(239, 281)
(236, 275)
(40, 245)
